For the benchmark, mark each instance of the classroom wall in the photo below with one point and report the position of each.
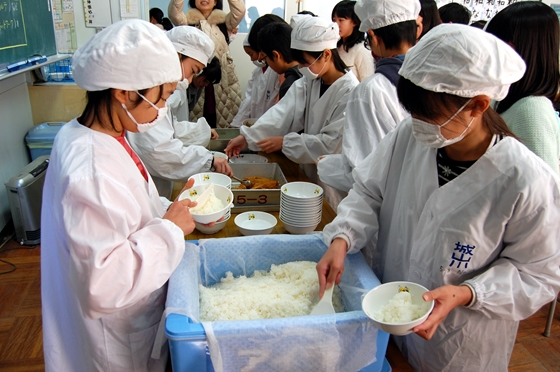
(15, 121)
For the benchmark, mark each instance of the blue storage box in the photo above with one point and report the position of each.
(357, 338)
(40, 138)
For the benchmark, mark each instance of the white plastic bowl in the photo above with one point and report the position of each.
(301, 210)
(248, 159)
(223, 193)
(300, 223)
(301, 202)
(298, 230)
(214, 229)
(210, 177)
(302, 190)
(255, 223)
(379, 296)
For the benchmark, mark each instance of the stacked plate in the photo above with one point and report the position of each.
(218, 179)
(301, 206)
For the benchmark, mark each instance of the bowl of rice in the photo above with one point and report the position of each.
(215, 207)
(397, 307)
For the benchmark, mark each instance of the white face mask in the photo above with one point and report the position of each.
(430, 134)
(183, 84)
(305, 71)
(260, 64)
(143, 127)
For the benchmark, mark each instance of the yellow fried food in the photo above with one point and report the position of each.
(258, 182)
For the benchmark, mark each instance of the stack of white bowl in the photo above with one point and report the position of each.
(207, 179)
(301, 206)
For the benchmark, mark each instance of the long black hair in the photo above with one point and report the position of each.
(430, 15)
(533, 30)
(345, 9)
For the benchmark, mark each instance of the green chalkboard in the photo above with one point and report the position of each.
(26, 29)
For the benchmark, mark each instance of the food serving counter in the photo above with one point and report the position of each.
(292, 172)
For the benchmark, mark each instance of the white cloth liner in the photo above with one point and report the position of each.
(340, 342)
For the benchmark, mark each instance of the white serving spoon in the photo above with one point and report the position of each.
(203, 198)
(324, 306)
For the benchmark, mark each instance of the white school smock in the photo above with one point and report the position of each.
(372, 111)
(320, 118)
(166, 157)
(190, 133)
(494, 227)
(260, 95)
(106, 256)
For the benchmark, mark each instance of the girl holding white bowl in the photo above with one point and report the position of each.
(454, 202)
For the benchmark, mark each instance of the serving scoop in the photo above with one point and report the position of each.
(248, 184)
(203, 198)
(324, 306)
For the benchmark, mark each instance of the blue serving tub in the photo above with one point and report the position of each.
(40, 138)
(187, 339)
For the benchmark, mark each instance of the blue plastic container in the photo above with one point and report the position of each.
(189, 349)
(187, 339)
(40, 138)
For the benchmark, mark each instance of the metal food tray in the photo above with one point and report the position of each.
(267, 200)
(226, 134)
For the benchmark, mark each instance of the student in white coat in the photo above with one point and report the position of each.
(264, 85)
(308, 121)
(373, 109)
(108, 242)
(455, 203)
(165, 155)
(191, 133)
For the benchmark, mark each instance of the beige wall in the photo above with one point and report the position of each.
(56, 102)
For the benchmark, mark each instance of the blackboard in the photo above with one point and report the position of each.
(26, 29)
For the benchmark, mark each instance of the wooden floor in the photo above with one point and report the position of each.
(21, 335)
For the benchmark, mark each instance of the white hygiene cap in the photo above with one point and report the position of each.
(375, 14)
(192, 42)
(313, 34)
(131, 55)
(463, 61)
(298, 17)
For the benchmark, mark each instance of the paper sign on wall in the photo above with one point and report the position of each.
(129, 9)
(97, 13)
